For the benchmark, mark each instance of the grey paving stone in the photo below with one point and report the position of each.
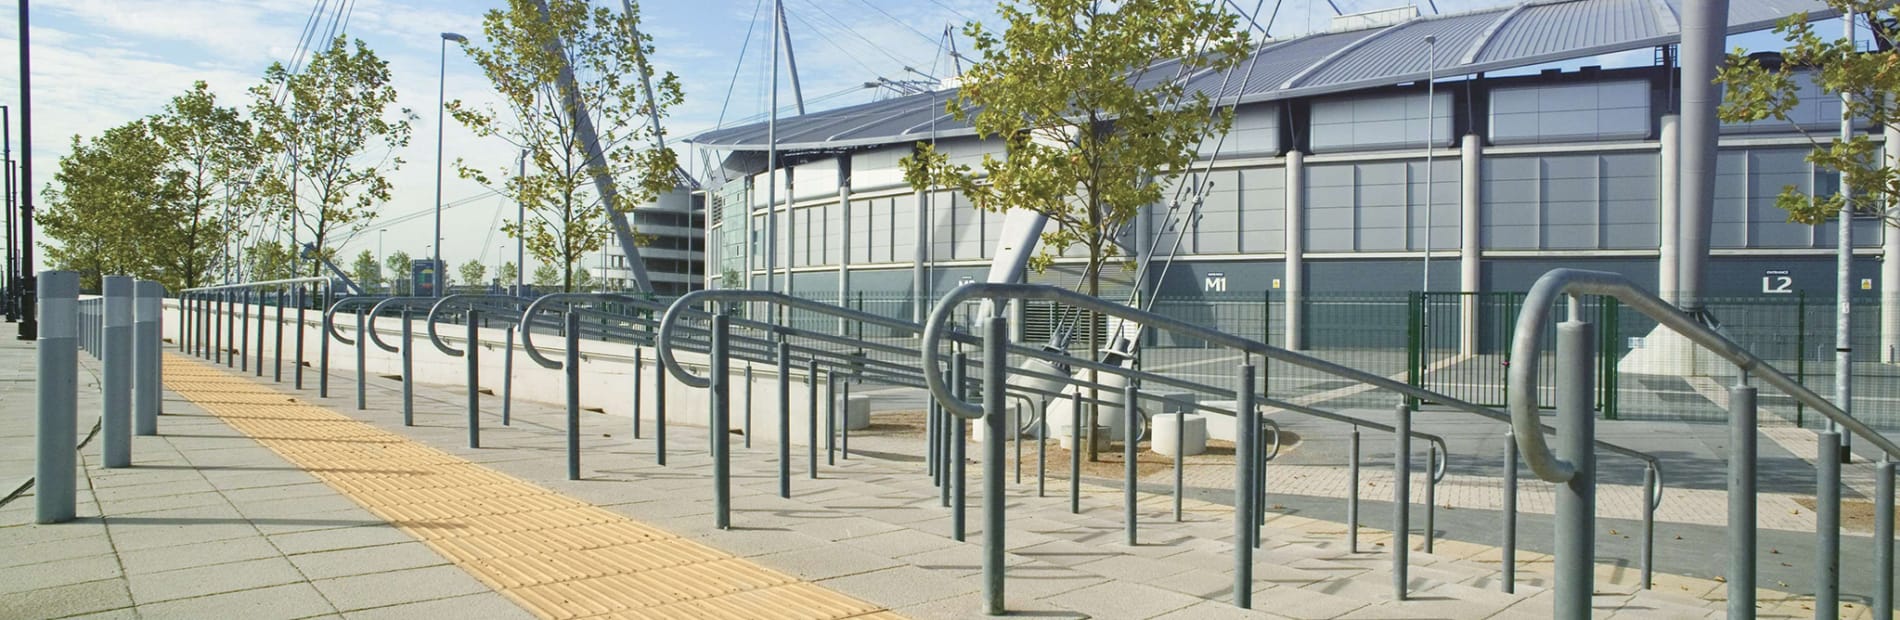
(66, 600)
(487, 606)
(50, 573)
(366, 560)
(339, 538)
(898, 587)
(205, 580)
(203, 554)
(398, 587)
(27, 544)
(826, 562)
(286, 602)
(1123, 599)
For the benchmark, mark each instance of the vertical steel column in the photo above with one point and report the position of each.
(1129, 412)
(1016, 436)
(57, 394)
(1180, 460)
(261, 333)
(958, 483)
(811, 424)
(659, 417)
(1352, 495)
(408, 367)
(747, 403)
(362, 364)
(844, 428)
(1042, 445)
(639, 373)
(1431, 496)
(147, 368)
(718, 393)
(1827, 527)
(184, 310)
(326, 323)
(1075, 452)
(831, 417)
(995, 377)
(296, 361)
(472, 357)
(1509, 559)
(277, 349)
(571, 371)
(228, 348)
(932, 461)
(1576, 498)
(1401, 499)
(1648, 548)
(1245, 435)
(1741, 500)
(217, 329)
(115, 352)
(1883, 538)
(784, 418)
(508, 382)
(244, 333)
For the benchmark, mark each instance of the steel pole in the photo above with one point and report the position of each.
(1244, 437)
(408, 368)
(811, 423)
(718, 394)
(115, 352)
(995, 383)
(1508, 560)
(1827, 527)
(1576, 499)
(571, 371)
(784, 418)
(148, 368)
(56, 391)
(1129, 412)
(958, 483)
(1401, 499)
(1741, 501)
(471, 356)
(1352, 492)
(362, 365)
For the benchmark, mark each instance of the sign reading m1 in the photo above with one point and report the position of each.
(1215, 282)
(1777, 282)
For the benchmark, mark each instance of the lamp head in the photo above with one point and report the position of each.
(450, 36)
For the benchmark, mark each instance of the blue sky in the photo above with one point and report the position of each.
(99, 63)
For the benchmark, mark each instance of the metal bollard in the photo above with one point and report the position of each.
(244, 334)
(1741, 576)
(1401, 499)
(958, 483)
(784, 418)
(1129, 412)
(1509, 559)
(508, 382)
(931, 445)
(115, 352)
(472, 355)
(408, 367)
(1648, 547)
(362, 366)
(659, 418)
(1431, 495)
(1352, 494)
(148, 362)
(1883, 539)
(1042, 446)
(831, 418)
(184, 323)
(571, 370)
(57, 393)
(811, 423)
(277, 349)
(639, 372)
(325, 323)
(1245, 433)
(227, 349)
(1180, 458)
(261, 333)
(1827, 527)
(995, 383)
(1016, 436)
(1576, 499)
(296, 362)
(844, 430)
(747, 404)
(718, 394)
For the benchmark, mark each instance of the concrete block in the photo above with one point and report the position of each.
(856, 413)
(1168, 425)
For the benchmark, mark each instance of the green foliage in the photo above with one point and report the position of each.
(524, 60)
(1089, 101)
(366, 272)
(547, 275)
(398, 264)
(103, 203)
(334, 125)
(507, 273)
(583, 280)
(474, 273)
(270, 261)
(1870, 78)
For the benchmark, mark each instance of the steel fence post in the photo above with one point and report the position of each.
(1244, 437)
(1742, 414)
(1576, 499)
(408, 367)
(571, 373)
(471, 355)
(718, 394)
(995, 383)
(959, 483)
(1401, 499)
(784, 418)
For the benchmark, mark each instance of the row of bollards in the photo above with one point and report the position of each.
(120, 329)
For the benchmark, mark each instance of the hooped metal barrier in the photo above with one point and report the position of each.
(360, 342)
(214, 328)
(931, 359)
(1575, 470)
(407, 350)
(472, 353)
(570, 365)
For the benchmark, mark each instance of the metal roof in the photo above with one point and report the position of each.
(1498, 38)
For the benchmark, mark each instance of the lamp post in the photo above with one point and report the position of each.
(1431, 136)
(441, 120)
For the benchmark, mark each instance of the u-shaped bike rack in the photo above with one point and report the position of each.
(1575, 469)
(472, 353)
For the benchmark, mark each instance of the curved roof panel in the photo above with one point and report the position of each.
(1492, 39)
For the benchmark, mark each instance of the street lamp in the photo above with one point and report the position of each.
(441, 120)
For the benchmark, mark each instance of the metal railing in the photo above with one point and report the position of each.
(995, 375)
(209, 324)
(471, 351)
(1575, 469)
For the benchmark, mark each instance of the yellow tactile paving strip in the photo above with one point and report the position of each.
(555, 556)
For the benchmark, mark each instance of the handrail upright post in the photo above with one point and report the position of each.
(1075, 451)
(659, 419)
(1129, 413)
(259, 295)
(230, 349)
(1742, 477)
(719, 397)
(508, 379)
(1508, 561)
(571, 372)
(1576, 498)
(362, 370)
(297, 362)
(408, 367)
(323, 350)
(1431, 496)
(746, 403)
(995, 383)
(831, 417)
(958, 483)
(639, 374)
(811, 424)
(1180, 460)
(1827, 526)
(1352, 496)
(1042, 446)
(1245, 434)
(277, 348)
(1401, 498)
(471, 355)
(1883, 539)
(844, 428)
(784, 418)
(244, 334)
(1648, 549)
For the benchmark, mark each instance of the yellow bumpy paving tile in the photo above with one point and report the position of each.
(556, 556)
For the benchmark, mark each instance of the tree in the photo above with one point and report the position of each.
(530, 52)
(398, 265)
(474, 273)
(1089, 137)
(583, 280)
(367, 273)
(1756, 92)
(105, 204)
(271, 261)
(212, 156)
(333, 124)
(508, 273)
(546, 274)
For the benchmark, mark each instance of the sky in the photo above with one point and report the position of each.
(101, 63)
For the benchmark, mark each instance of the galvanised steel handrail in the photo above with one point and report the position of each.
(376, 312)
(449, 300)
(1575, 508)
(329, 316)
(540, 303)
(469, 354)
(211, 316)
